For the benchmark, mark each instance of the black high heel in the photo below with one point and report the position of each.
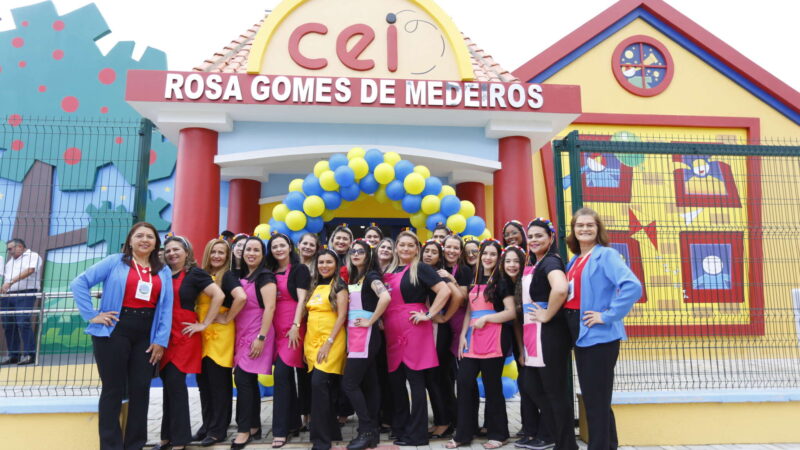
(240, 445)
(257, 435)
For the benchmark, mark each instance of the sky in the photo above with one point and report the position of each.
(512, 31)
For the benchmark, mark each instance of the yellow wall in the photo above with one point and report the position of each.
(71, 431)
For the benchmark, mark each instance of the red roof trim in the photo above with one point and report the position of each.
(676, 20)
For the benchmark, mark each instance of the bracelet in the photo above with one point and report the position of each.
(295, 324)
(329, 340)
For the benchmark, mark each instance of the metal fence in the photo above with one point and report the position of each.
(70, 189)
(711, 229)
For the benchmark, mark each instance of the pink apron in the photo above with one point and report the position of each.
(248, 324)
(531, 330)
(482, 343)
(357, 337)
(405, 342)
(285, 307)
(456, 322)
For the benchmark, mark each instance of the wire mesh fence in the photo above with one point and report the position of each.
(710, 228)
(69, 190)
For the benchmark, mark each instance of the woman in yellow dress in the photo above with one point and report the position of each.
(215, 381)
(325, 348)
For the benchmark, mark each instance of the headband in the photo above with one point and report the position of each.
(542, 221)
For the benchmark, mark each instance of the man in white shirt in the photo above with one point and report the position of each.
(22, 275)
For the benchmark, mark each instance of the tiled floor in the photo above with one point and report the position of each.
(349, 430)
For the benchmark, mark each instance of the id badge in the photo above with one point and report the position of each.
(143, 290)
(571, 293)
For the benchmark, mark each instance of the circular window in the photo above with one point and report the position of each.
(642, 65)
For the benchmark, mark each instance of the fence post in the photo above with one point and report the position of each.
(140, 196)
(575, 170)
(558, 148)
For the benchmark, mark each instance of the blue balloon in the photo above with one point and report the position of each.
(294, 200)
(475, 226)
(350, 193)
(315, 224)
(272, 223)
(337, 160)
(481, 390)
(281, 227)
(509, 387)
(266, 391)
(368, 184)
(395, 190)
(433, 186)
(333, 200)
(403, 168)
(412, 203)
(434, 219)
(311, 185)
(297, 235)
(373, 158)
(450, 205)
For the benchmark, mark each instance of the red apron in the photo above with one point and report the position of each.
(357, 337)
(285, 307)
(184, 351)
(485, 342)
(405, 342)
(531, 330)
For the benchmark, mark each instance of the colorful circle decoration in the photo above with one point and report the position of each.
(642, 66)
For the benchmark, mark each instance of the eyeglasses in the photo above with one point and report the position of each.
(472, 252)
(357, 251)
(10, 249)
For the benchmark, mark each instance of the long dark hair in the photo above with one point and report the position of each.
(244, 271)
(337, 283)
(127, 251)
(236, 263)
(370, 263)
(492, 289)
(272, 263)
(460, 260)
(433, 242)
(479, 266)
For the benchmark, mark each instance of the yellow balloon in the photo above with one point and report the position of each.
(430, 204)
(296, 220)
(279, 212)
(380, 195)
(447, 190)
(328, 215)
(384, 173)
(397, 204)
(510, 371)
(296, 185)
(485, 235)
(320, 167)
(391, 158)
(266, 380)
(262, 231)
(467, 209)
(314, 206)
(418, 220)
(457, 223)
(328, 181)
(359, 166)
(356, 152)
(414, 183)
(422, 170)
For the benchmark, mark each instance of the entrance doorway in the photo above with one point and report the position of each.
(391, 227)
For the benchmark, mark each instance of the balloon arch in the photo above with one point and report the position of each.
(313, 200)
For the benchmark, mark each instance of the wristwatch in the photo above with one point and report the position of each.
(261, 337)
(428, 314)
(296, 324)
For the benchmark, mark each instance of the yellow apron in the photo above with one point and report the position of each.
(321, 318)
(218, 339)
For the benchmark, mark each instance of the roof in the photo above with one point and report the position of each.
(681, 29)
(233, 59)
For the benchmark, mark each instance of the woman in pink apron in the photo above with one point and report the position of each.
(368, 301)
(485, 339)
(292, 280)
(184, 353)
(255, 340)
(544, 342)
(410, 346)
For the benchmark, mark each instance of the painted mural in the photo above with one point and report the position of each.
(68, 148)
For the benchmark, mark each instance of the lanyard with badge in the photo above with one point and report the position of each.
(143, 288)
(574, 271)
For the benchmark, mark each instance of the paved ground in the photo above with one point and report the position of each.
(349, 430)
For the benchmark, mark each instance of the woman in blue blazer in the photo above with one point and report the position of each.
(129, 330)
(602, 290)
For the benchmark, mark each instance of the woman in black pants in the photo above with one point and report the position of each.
(129, 330)
(368, 301)
(543, 341)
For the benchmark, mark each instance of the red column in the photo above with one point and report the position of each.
(196, 207)
(474, 192)
(513, 183)
(243, 208)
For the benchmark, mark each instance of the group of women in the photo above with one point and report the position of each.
(373, 326)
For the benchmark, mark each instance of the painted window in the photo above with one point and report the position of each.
(629, 248)
(712, 269)
(642, 65)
